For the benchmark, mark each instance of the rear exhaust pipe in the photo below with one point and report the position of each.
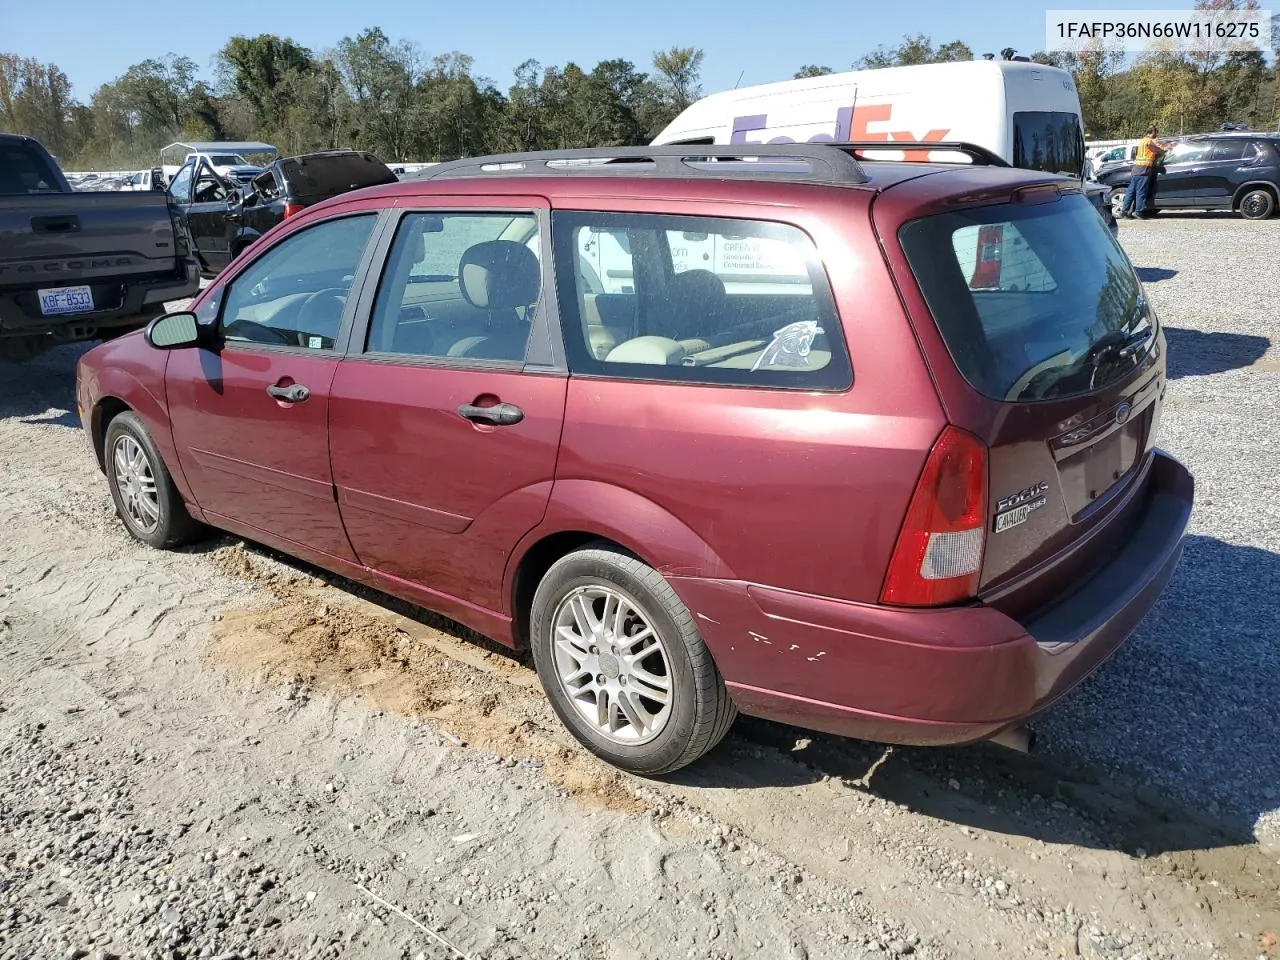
(1022, 739)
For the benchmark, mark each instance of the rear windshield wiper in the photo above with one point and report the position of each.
(1118, 344)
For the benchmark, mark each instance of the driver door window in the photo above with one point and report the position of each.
(209, 188)
(295, 294)
(180, 188)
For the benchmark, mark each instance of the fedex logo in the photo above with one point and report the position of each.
(852, 123)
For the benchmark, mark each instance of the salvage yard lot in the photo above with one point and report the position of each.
(217, 753)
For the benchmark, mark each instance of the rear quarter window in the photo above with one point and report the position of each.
(697, 300)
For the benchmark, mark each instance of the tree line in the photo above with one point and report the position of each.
(388, 97)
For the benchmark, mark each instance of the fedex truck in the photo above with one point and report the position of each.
(1026, 113)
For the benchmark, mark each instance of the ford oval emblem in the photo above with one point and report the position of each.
(1123, 412)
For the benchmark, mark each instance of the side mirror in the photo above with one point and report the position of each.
(173, 331)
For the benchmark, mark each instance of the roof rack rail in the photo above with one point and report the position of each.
(979, 155)
(827, 163)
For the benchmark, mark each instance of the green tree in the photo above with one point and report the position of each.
(679, 76)
(812, 70)
(914, 50)
(381, 80)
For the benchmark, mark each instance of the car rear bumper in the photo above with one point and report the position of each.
(127, 301)
(935, 677)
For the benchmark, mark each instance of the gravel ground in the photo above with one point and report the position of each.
(219, 753)
(1192, 703)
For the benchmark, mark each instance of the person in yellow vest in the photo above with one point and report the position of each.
(1143, 176)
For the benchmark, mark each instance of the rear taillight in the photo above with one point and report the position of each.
(986, 272)
(938, 556)
(291, 209)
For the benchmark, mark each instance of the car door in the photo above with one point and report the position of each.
(1224, 169)
(207, 215)
(1178, 184)
(445, 418)
(250, 414)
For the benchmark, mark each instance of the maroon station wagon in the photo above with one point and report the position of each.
(861, 445)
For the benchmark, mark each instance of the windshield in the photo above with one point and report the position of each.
(228, 160)
(23, 171)
(1034, 301)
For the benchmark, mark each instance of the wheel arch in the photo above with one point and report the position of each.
(104, 411)
(1252, 185)
(586, 511)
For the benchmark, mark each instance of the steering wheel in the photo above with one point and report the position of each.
(321, 312)
(256, 333)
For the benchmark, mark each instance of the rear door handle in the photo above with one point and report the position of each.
(294, 393)
(499, 415)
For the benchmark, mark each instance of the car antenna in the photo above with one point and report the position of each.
(739, 80)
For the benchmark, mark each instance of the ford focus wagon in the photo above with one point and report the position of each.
(858, 445)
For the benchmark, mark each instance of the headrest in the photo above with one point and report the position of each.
(499, 275)
(701, 286)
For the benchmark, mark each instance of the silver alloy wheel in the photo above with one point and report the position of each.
(612, 664)
(136, 483)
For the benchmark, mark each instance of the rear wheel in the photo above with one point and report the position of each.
(623, 664)
(146, 499)
(1257, 204)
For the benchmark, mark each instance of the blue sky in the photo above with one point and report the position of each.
(758, 40)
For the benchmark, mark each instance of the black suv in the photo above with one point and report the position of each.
(1222, 171)
(225, 217)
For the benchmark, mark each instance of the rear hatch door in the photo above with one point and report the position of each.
(316, 178)
(1043, 345)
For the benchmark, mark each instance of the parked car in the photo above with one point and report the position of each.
(1221, 171)
(80, 265)
(144, 180)
(1118, 157)
(224, 218)
(801, 458)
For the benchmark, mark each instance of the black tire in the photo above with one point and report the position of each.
(173, 525)
(1257, 204)
(701, 711)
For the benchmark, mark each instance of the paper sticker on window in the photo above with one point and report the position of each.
(790, 346)
(315, 343)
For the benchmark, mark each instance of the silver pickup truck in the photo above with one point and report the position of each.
(81, 266)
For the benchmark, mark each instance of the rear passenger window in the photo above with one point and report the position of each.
(698, 300)
(459, 286)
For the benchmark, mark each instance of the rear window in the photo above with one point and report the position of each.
(328, 176)
(1035, 302)
(1049, 141)
(23, 171)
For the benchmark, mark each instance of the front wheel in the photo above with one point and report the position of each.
(146, 499)
(1257, 204)
(623, 664)
(1117, 203)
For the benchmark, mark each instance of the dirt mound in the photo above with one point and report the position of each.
(314, 637)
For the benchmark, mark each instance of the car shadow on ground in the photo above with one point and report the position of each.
(24, 387)
(1195, 353)
(1170, 765)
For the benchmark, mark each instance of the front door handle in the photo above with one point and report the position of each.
(499, 415)
(294, 393)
